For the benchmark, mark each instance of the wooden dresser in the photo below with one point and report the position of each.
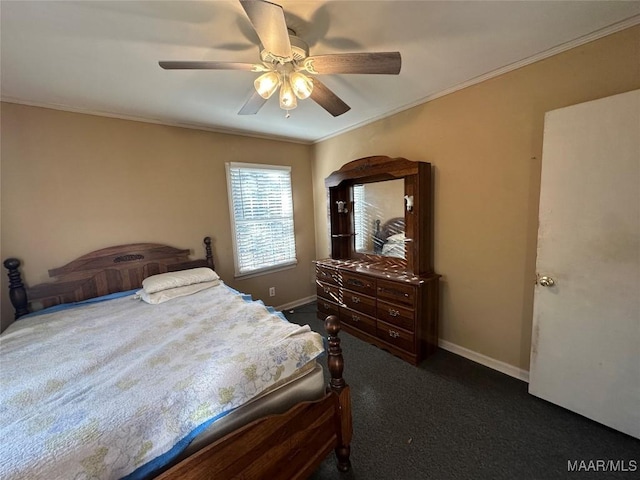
(387, 299)
(394, 311)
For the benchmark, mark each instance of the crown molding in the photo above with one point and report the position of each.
(168, 123)
(603, 32)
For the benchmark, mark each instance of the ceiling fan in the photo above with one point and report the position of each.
(286, 64)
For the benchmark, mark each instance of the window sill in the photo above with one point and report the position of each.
(265, 271)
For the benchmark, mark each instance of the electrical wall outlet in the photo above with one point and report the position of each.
(272, 291)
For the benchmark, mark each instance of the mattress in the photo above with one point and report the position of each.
(128, 386)
(307, 386)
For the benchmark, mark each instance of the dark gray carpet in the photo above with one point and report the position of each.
(451, 418)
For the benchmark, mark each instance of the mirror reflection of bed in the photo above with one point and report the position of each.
(389, 239)
(378, 209)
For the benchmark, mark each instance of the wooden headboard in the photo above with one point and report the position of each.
(105, 271)
(391, 227)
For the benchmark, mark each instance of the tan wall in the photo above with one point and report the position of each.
(74, 183)
(485, 143)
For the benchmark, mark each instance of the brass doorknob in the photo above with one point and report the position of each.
(547, 281)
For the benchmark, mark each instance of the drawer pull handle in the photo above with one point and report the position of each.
(326, 290)
(393, 334)
(393, 292)
(393, 313)
(355, 318)
(326, 306)
(355, 299)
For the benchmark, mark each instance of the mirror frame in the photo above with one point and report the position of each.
(418, 220)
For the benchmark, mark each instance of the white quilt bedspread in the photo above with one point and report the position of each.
(107, 390)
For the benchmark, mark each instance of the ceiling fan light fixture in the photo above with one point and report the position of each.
(285, 56)
(301, 84)
(288, 100)
(266, 84)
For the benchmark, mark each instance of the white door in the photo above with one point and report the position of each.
(585, 348)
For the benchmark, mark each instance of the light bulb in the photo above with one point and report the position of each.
(301, 84)
(288, 100)
(266, 84)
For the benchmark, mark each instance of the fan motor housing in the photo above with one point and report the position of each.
(299, 49)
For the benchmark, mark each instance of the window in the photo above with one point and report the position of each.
(261, 205)
(358, 217)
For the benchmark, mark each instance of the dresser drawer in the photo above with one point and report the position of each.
(359, 283)
(396, 292)
(359, 302)
(358, 320)
(327, 275)
(396, 315)
(326, 307)
(396, 336)
(327, 291)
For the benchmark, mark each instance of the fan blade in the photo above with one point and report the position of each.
(171, 65)
(327, 99)
(253, 104)
(377, 63)
(268, 21)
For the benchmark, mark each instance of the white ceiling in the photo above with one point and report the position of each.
(102, 56)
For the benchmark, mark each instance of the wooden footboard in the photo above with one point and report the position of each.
(287, 446)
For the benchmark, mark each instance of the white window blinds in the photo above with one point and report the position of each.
(358, 217)
(261, 206)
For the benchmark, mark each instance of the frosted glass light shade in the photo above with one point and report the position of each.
(301, 84)
(288, 99)
(266, 84)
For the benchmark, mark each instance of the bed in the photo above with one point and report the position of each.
(147, 387)
(389, 238)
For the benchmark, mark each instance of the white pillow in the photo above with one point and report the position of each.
(169, 293)
(397, 238)
(164, 281)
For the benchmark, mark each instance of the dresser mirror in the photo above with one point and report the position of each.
(379, 211)
(378, 218)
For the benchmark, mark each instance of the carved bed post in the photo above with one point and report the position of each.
(335, 362)
(209, 254)
(17, 292)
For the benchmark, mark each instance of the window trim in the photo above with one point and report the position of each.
(264, 270)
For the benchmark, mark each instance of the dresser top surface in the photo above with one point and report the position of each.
(381, 270)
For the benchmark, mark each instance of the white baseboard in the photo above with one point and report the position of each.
(502, 367)
(492, 363)
(296, 303)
